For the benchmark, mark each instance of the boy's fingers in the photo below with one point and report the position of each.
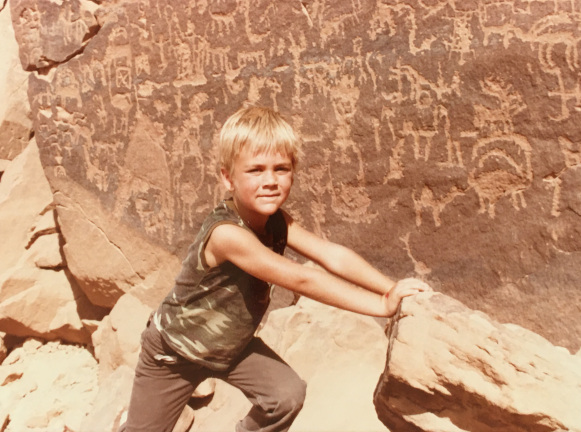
(414, 283)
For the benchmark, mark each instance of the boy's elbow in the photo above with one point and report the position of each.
(304, 281)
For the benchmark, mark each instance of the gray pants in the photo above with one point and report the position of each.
(161, 391)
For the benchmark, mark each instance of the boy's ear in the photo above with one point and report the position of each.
(226, 179)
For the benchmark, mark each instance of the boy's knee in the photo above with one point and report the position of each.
(292, 397)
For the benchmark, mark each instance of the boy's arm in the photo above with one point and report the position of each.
(233, 243)
(347, 264)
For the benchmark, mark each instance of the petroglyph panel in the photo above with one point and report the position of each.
(440, 138)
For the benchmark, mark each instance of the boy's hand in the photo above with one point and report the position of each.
(403, 288)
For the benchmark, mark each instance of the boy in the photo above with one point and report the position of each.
(205, 326)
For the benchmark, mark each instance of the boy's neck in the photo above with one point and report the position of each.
(256, 223)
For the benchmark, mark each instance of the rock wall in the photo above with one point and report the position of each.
(452, 369)
(440, 139)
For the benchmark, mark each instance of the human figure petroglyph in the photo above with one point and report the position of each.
(142, 65)
(548, 34)
(29, 29)
(68, 90)
(418, 133)
(348, 195)
(188, 166)
(571, 152)
(257, 18)
(256, 87)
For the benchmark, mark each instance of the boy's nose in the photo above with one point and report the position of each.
(270, 178)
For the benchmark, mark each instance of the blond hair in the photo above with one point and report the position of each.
(261, 130)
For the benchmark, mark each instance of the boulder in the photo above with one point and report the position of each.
(117, 340)
(450, 368)
(33, 274)
(15, 115)
(24, 289)
(48, 387)
(25, 196)
(110, 402)
(339, 354)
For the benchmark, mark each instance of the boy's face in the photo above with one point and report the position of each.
(260, 183)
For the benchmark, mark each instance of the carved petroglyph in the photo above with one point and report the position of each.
(420, 268)
(418, 133)
(348, 196)
(509, 172)
(501, 158)
(188, 165)
(414, 125)
(549, 35)
(572, 154)
(427, 200)
(46, 37)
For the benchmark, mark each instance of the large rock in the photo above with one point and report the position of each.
(117, 339)
(38, 297)
(25, 196)
(47, 387)
(445, 136)
(15, 116)
(452, 369)
(110, 402)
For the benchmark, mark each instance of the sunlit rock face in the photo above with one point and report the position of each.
(440, 139)
(450, 368)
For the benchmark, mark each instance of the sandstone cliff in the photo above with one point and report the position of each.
(440, 139)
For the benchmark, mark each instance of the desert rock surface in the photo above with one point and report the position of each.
(440, 140)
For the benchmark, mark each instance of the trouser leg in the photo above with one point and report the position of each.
(277, 393)
(160, 391)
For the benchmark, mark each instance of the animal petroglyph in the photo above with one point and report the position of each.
(501, 158)
(427, 200)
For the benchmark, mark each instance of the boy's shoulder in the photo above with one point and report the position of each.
(224, 211)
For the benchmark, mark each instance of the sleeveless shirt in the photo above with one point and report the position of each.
(212, 313)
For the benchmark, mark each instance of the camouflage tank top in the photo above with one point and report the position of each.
(212, 313)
